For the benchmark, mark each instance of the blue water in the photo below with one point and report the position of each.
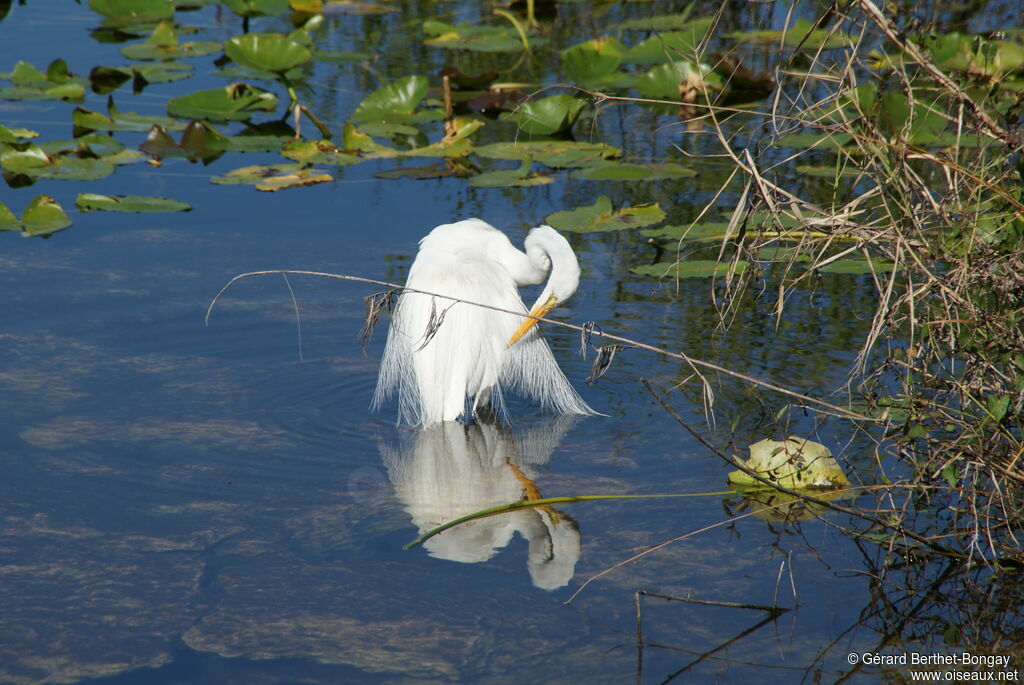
(191, 503)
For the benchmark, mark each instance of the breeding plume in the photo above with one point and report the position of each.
(448, 360)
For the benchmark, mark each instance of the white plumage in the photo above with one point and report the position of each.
(441, 354)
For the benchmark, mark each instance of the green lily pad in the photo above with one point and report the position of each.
(256, 8)
(273, 52)
(199, 142)
(594, 62)
(357, 7)
(44, 216)
(857, 266)
(85, 120)
(34, 162)
(133, 12)
(163, 44)
(817, 141)
(548, 115)
(792, 463)
(802, 34)
(626, 171)
(557, 154)
(506, 178)
(396, 101)
(668, 47)
(690, 268)
(31, 84)
(317, 152)
(709, 232)
(476, 37)
(8, 222)
(92, 202)
(664, 22)
(680, 80)
(419, 173)
(234, 102)
(274, 177)
(456, 144)
(601, 217)
(92, 145)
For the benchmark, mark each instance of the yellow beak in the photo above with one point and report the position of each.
(539, 310)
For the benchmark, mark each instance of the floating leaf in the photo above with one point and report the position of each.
(792, 463)
(594, 62)
(44, 216)
(256, 8)
(690, 268)
(668, 47)
(857, 266)
(480, 38)
(235, 102)
(802, 34)
(429, 171)
(601, 217)
(108, 79)
(680, 80)
(558, 154)
(163, 45)
(273, 52)
(664, 22)
(548, 115)
(91, 202)
(317, 152)
(817, 141)
(274, 177)
(710, 232)
(395, 101)
(506, 178)
(625, 171)
(8, 222)
(31, 84)
(85, 120)
(133, 12)
(199, 142)
(359, 7)
(34, 162)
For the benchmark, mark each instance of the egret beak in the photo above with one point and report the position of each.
(539, 310)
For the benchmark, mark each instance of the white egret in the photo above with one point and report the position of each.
(442, 354)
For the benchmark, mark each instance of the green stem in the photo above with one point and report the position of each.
(517, 26)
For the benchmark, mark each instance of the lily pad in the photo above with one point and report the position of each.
(668, 47)
(396, 101)
(479, 38)
(792, 463)
(627, 171)
(317, 152)
(274, 177)
(8, 222)
(85, 120)
(163, 44)
(857, 266)
(273, 52)
(31, 84)
(199, 142)
(595, 62)
(600, 216)
(92, 202)
(133, 12)
(680, 80)
(235, 102)
(419, 173)
(256, 8)
(546, 116)
(44, 216)
(709, 232)
(689, 268)
(665, 22)
(506, 178)
(34, 162)
(802, 34)
(558, 154)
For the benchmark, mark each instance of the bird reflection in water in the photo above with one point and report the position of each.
(451, 469)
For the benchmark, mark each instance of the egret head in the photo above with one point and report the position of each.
(547, 248)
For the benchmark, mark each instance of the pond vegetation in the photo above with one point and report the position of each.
(852, 142)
